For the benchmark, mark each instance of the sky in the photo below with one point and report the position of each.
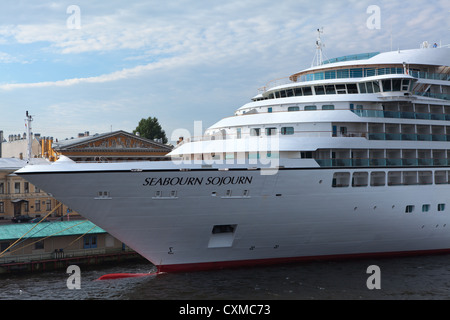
(102, 66)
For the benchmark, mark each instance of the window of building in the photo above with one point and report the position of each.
(271, 131)
(2, 207)
(2, 188)
(409, 208)
(37, 205)
(238, 133)
(287, 130)
(255, 132)
(17, 187)
(37, 190)
(90, 242)
(4, 246)
(26, 187)
(441, 206)
(39, 245)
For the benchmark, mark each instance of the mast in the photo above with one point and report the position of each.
(318, 58)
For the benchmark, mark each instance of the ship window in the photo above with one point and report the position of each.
(405, 84)
(351, 88)
(362, 88)
(360, 179)
(409, 208)
(306, 154)
(328, 107)
(340, 89)
(377, 178)
(283, 94)
(255, 131)
(307, 91)
(173, 194)
(396, 83)
(310, 108)
(224, 228)
(342, 73)
(441, 206)
(369, 87)
(376, 86)
(341, 179)
(425, 207)
(293, 108)
(440, 177)
(269, 109)
(330, 89)
(298, 91)
(386, 85)
(356, 73)
(319, 90)
(318, 76)
(287, 130)
(246, 193)
(289, 92)
(158, 194)
(271, 131)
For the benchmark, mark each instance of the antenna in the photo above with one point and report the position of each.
(319, 46)
(29, 140)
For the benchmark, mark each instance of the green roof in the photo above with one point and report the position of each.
(46, 229)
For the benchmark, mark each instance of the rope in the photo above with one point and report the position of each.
(79, 237)
(14, 243)
(50, 235)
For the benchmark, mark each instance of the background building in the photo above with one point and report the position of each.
(19, 197)
(113, 146)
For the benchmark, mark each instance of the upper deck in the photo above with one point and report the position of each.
(424, 63)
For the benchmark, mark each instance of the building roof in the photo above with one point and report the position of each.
(89, 142)
(45, 229)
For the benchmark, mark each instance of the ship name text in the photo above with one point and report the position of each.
(196, 181)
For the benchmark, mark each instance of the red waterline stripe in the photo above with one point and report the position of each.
(189, 267)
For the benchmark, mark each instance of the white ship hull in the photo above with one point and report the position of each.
(291, 215)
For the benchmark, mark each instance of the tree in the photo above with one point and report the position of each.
(151, 129)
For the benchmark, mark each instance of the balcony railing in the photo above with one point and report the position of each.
(382, 162)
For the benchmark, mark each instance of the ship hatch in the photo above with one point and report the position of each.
(222, 236)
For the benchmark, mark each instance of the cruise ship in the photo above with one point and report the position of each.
(347, 158)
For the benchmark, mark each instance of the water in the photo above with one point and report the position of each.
(425, 277)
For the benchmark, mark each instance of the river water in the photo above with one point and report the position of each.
(405, 278)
